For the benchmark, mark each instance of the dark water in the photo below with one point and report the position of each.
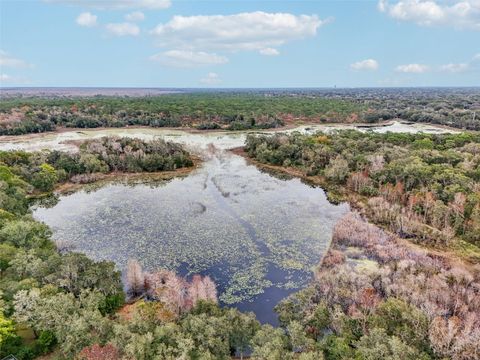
(256, 235)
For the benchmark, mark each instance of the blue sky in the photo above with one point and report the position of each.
(229, 43)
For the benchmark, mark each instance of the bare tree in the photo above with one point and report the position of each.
(210, 289)
(135, 278)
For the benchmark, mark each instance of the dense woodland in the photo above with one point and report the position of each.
(376, 295)
(454, 107)
(45, 169)
(421, 186)
(40, 287)
(242, 110)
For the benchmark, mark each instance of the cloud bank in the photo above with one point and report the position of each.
(412, 68)
(254, 31)
(211, 79)
(86, 19)
(368, 64)
(7, 60)
(460, 14)
(122, 29)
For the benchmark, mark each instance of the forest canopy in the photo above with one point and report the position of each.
(241, 110)
(421, 186)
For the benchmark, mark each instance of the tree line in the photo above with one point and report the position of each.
(421, 186)
(241, 110)
(43, 170)
(204, 111)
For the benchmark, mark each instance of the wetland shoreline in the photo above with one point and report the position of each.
(69, 186)
(256, 256)
(189, 130)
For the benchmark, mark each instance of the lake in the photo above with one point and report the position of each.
(257, 236)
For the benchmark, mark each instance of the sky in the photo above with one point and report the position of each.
(231, 44)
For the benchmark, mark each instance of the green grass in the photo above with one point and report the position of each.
(466, 250)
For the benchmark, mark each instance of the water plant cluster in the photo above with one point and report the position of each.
(215, 221)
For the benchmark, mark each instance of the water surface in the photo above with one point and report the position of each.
(257, 236)
(193, 140)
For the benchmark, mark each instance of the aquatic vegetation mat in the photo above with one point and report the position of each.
(246, 229)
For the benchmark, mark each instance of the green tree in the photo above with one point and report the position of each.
(403, 320)
(27, 234)
(337, 169)
(210, 335)
(320, 319)
(377, 345)
(298, 337)
(91, 163)
(336, 348)
(243, 329)
(270, 343)
(7, 328)
(45, 342)
(46, 178)
(7, 253)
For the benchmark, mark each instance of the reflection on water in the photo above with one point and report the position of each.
(256, 235)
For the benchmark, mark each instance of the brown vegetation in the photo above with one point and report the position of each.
(446, 292)
(164, 286)
(98, 352)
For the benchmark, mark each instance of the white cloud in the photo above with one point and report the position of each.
(470, 65)
(368, 64)
(8, 79)
(135, 16)
(461, 14)
(123, 29)
(7, 60)
(454, 68)
(412, 68)
(252, 31)
(269, 52)
(188, 58)
(5, 78)
(117, 4)
(211, 79)
(382, 5)
(87, 19)
(473, 64)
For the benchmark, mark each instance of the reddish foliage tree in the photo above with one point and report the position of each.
(444, 290)
(97, 352)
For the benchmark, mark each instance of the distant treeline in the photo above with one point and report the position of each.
(242, 110)
(201, 111)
